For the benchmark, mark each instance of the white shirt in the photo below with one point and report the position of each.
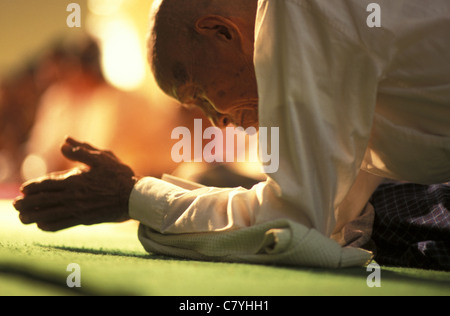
(351, 102)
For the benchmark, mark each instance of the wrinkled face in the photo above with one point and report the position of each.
(225, 90)
(214, 72)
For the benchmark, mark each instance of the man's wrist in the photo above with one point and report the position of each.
(125, 194)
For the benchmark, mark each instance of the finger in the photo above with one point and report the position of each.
(40, 201)
(53, 226)
(56, 181)
(88, 155)
(81, 154)
(48, 185)
(74, 143)
(17, 202)
(44, 215)
(110, 155)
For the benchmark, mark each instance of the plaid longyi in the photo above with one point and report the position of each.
(412, 225)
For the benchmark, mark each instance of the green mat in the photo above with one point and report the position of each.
(112, 262)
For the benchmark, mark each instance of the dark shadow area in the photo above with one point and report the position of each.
(418, 277)
(55, 281)
(111, 252)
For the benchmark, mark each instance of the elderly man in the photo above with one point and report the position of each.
(353, 104)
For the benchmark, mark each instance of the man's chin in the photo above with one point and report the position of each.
(254, 125)
(247, 119)
(249, 128)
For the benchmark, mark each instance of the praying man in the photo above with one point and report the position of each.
(354, 105)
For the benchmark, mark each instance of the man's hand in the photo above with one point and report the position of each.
(96, 194)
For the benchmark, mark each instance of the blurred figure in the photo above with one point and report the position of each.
(18, 105)
(83, 105)
(20, 95)
(64, 93)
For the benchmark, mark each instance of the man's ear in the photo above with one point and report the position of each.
(217, 26)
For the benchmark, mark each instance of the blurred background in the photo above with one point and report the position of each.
(92, 83)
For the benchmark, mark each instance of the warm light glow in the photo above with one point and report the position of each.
(5, 167)
(123, 54)
(33, 167)
(104, 7)
(122, 59)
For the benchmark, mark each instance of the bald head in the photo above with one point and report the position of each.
(173, 36)
(190, 39)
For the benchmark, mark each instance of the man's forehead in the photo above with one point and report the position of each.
(169, 72)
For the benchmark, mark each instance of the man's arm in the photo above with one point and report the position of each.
(318, 83)
(235, 225)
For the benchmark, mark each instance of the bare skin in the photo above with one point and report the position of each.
(220, 70)
(96, 194)
(225, 94)
(223, 85)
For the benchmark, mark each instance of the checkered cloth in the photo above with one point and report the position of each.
(412, 225)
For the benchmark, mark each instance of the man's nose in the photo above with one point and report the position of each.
(221, 121)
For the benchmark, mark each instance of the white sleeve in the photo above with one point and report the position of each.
(235, 225)
(317, 82)
(171, 207)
